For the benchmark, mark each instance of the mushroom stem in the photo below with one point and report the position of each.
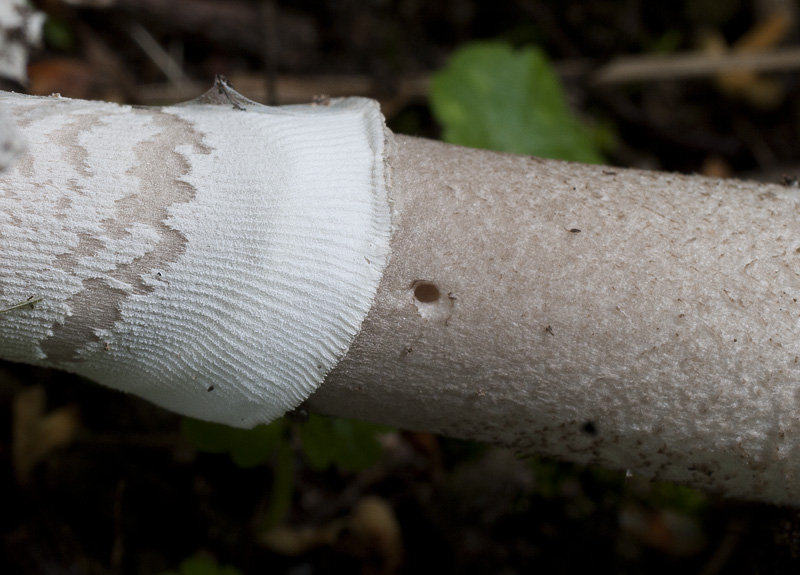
(220, 259)
(662, 338)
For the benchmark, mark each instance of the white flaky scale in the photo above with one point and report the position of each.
(217, 257)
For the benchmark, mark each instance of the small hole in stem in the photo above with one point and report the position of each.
(426, 292)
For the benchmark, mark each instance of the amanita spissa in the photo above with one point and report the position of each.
(226, 260)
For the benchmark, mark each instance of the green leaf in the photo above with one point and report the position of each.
(254, 446)
(247, 447)
(678, 497)
(207, 436)
(199, 565)
(58, 34)
(349, 445)
(202, 565)
(491, 96)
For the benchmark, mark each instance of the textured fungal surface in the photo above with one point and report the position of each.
(215, 258)
(662, 338)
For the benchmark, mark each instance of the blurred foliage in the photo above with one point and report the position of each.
(202, 565)
(247, 447)
(711, 12)
(280, 501)
(58, 35)
(553, 477)
(666, 43)
(325, 442)
(677, 497)
(346, 444)
(493, 97)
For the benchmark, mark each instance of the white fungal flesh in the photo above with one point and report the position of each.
(217, 260)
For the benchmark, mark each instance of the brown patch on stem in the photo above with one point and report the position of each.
(161, 171)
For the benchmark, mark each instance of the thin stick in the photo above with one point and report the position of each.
(661, 67)
(160, 57)
(30, 302)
